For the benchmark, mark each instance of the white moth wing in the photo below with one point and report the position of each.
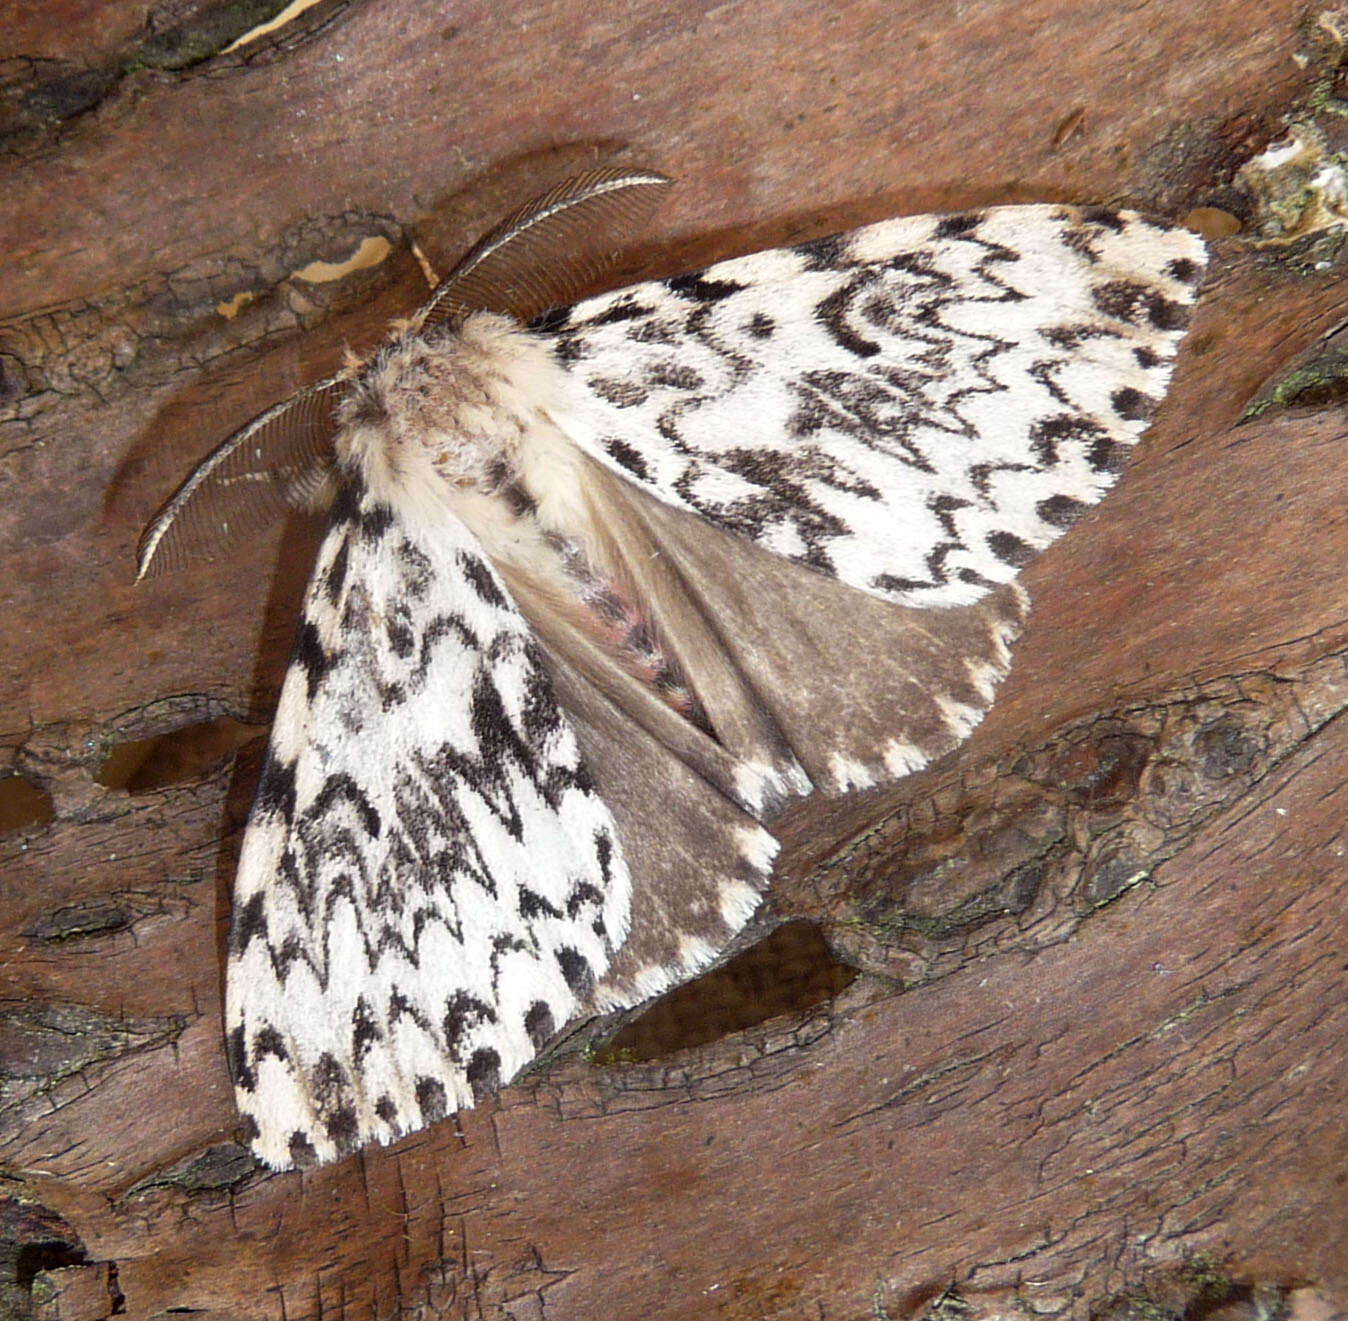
(914, 408)
(429, 886)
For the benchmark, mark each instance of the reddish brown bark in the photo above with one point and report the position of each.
(1119, 912)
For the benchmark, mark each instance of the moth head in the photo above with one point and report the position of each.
(454, 404)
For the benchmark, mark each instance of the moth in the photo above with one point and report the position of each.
(607, 584)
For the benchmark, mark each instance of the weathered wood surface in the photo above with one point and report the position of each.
(1120, 910)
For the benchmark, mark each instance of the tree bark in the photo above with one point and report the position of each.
(1072, 1040)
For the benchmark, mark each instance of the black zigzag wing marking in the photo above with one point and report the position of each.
(910, 407)
(427, 876)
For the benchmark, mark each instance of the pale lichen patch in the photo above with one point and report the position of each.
(286, 15)
(370, 252)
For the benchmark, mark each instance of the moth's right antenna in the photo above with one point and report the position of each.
(283, 459)
(552, 249)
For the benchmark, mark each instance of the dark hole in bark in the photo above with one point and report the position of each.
(789, 972)
(1224, 1302)
(141, 765)
(22, 804)
(1182, 1297)
(34, 1258)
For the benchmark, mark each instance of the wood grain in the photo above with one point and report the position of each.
(1094, 1059)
